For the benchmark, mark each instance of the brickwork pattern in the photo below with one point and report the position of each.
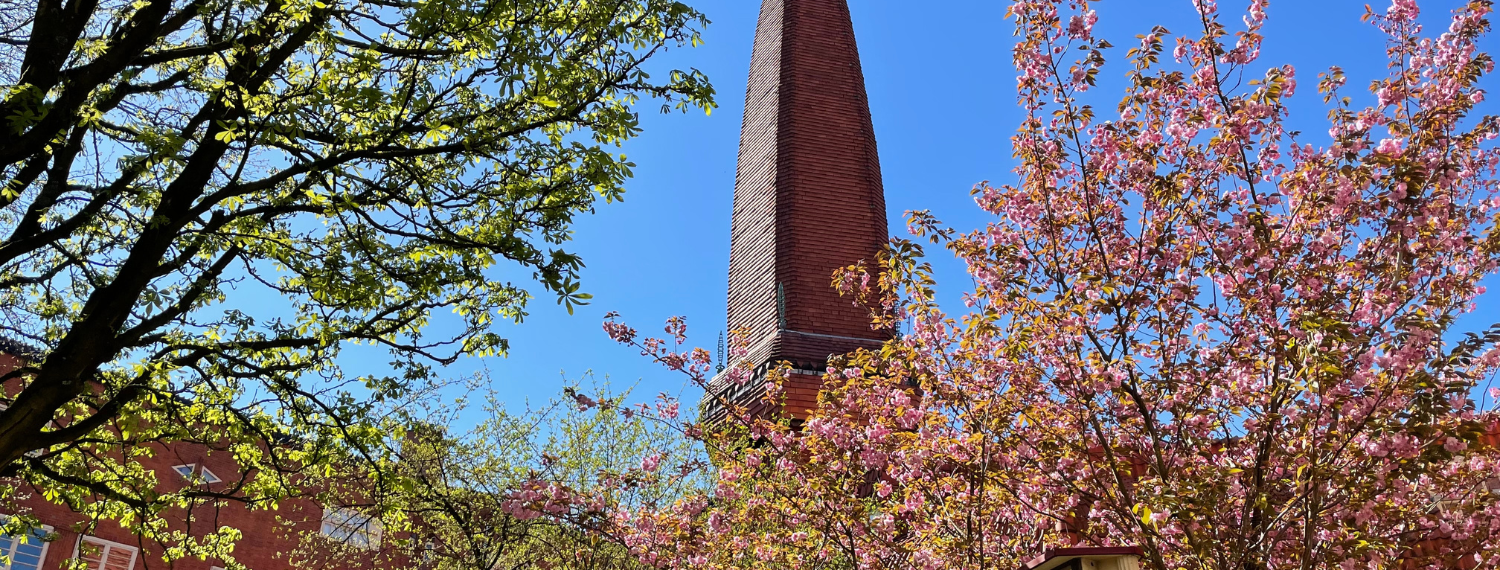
(752, 245)
(808, 196)
(798, 399)
(270, 537)
(808, 193)
(831, 203)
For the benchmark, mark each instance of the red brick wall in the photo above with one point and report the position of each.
(808, 194)
(8, 363)
(752, 244)
(808, 198)
(831, 204)
(270, 537)
(799, 396)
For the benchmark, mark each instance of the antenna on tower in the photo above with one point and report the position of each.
(720, 367)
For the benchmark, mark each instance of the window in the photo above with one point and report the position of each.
(351, 527)
(100, 554)
(25, 552)
(203, 475)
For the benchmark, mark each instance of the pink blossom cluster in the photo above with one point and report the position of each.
(535, 499)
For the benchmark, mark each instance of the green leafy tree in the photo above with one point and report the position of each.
(532, 488)
(202, 202)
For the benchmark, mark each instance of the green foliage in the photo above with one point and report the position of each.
(203, 202)
(457, 501)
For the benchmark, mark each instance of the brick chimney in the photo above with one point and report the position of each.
(807, 197)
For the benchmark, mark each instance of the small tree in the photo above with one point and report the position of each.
(1191, 331)
(530, 489)
(202, 202)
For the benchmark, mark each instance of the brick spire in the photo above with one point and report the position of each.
(807, 197)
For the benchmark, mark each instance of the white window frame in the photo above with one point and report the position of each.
(366, 536)
(15, 541)
(104, 554)
(196, 474)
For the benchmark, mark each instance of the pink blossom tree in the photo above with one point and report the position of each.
(1192, 331)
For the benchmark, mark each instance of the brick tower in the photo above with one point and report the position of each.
(807, 199)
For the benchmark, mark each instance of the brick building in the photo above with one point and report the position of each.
(270, 537)
(808, 200)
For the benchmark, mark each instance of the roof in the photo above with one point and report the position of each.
(18, 348)
(1059, 556)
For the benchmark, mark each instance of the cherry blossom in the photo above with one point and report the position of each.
(1191, 330)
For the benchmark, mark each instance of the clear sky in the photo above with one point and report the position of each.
(942, 93)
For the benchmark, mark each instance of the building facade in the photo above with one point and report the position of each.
(271, 538)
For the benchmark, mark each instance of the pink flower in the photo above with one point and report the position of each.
(1387, 96)
(716, 522)
(677, 327)
(1081, 26)
(1364, 515)
(1158, 517)
(1403, 10)
(618, 332)
(667, 408)
(651, 462)
(1390, 146)
(913, 502)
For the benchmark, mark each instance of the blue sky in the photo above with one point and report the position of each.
(941, 91)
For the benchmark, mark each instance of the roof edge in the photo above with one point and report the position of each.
(18, 348)
(1047, 558)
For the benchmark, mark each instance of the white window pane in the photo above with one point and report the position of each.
(7, 544)
(28, 553)
(118, 559)
(24, 552)
(98, 554)
(91, 555)
(351, 527)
